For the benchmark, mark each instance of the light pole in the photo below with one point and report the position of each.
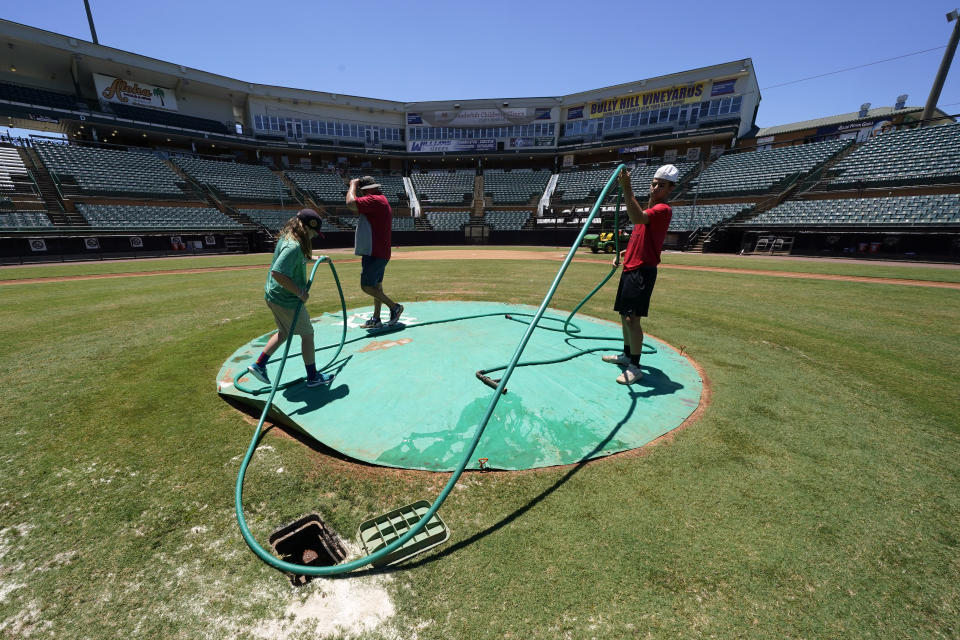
(944, 68)
(93, 31)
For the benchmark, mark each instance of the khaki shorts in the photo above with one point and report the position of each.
(284, 318)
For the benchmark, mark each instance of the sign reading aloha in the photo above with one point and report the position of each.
(111, 89)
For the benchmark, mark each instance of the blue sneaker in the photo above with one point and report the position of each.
(259, 372)
(322, 378)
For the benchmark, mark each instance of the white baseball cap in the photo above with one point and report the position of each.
(667, 172)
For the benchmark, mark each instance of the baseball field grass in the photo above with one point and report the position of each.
(817, 496)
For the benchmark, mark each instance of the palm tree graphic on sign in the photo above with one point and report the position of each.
(159, 93)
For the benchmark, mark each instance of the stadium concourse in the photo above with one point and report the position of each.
(140, 157)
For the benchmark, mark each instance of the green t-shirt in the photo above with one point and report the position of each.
(288, 259)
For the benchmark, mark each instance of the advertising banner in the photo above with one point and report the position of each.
(575, 113)
(520, 143)
(722, 87)
(110, 89)
(658, 99)
(447, 146)
(494, 117)
(38, 244)
(862, 130)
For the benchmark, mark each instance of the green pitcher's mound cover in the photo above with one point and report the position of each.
(408, 396)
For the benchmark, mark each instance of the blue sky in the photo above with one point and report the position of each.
(432, 50)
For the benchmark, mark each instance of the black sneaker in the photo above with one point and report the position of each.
(395, 314)
(372, 323)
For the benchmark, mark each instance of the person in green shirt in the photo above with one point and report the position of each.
(286, 288)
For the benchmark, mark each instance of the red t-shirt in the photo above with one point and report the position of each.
(380, 215)
(646, 241)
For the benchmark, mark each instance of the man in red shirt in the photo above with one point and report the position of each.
(372, 241)
(640, 260)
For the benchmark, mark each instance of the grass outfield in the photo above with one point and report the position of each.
(817, 497)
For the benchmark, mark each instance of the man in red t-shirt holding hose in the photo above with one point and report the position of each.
(640, 260)
(372, 242)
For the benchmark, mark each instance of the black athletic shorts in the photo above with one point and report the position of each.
(633, 294)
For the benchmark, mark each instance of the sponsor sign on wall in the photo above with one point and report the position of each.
(91, 243)
(136, 242)
(722, 87)
(446, 146)
(38, 244)
(862, 130)
(132, 92)
(519, 143)
(494, 117)
(657, 99)
(575, 113)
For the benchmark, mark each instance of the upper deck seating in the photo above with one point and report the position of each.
(97, 171)
(757, 172)
(928, 155)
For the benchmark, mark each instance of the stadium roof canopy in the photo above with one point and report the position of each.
(843, 118)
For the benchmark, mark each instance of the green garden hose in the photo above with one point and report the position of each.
(468, 454)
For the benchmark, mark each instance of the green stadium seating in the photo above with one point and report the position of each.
(444, 187)
(448, 220)
(18, 220)
(137, 217)
(928, 155)
(925, 210)
(322, 186)
(236, 181)
(758, 172)
(519, 186)
(96, 171)
(506, 220)
(690, 218)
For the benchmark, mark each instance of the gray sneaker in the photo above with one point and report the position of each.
(259, 372)
(630, 375)
(619, 358)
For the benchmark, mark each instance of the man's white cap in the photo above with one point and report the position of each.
(667, 172)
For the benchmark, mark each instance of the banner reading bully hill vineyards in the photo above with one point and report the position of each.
(656, 99)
